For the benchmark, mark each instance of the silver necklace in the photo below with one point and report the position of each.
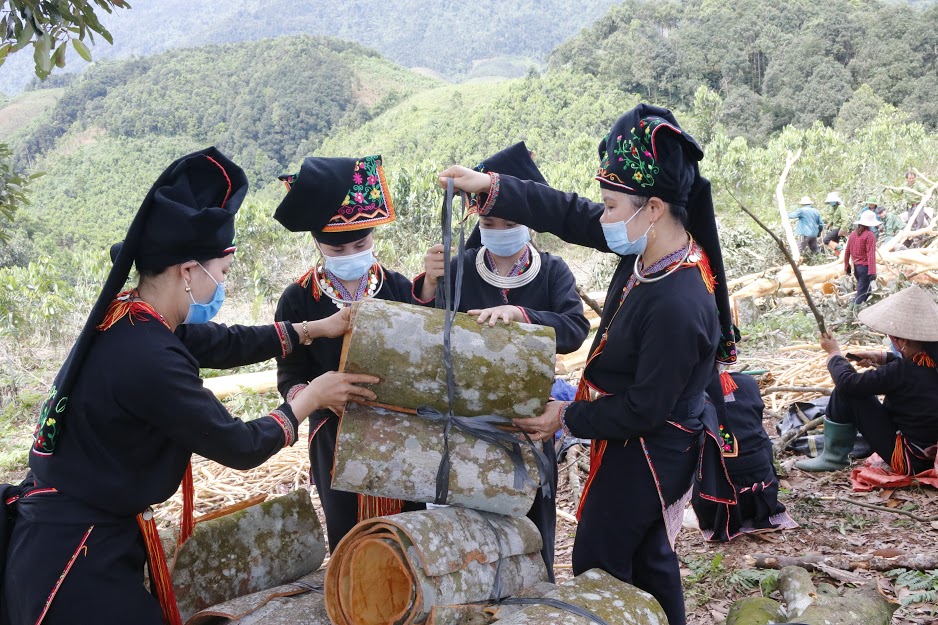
(374, 285)
(505, 282)
(638, 274)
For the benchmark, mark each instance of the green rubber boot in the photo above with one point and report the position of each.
(838, 441)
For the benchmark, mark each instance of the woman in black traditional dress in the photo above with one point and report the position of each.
(128, 410)
(655, 352)
(506, 279)
(340, 201)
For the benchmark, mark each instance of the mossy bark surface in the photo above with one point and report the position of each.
(292, 604)
(393, 454)
(439, 557)
(505, 370)
(260, 547)
(602, 594)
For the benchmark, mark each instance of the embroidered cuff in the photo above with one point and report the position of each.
(563, 419)
(294, 390)
(494, 186)
(413, 291)
(524, 314)
(288, 337)
(287, 422)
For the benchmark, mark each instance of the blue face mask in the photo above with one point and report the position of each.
(617, 236)
(201, 313)
(351, 267)
(505, 241)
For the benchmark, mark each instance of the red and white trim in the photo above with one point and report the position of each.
(295, 390)
(289, 432)
(286, 345)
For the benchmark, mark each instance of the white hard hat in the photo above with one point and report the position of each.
(868, 218)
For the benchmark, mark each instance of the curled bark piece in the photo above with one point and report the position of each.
(394, 454)
(599, 592)
(259, 547)
(506, 370)
(459, 615)
(395, 569)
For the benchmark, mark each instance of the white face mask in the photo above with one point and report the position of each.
(505, 241)
(351, 267)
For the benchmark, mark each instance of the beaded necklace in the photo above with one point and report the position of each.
(335, 289)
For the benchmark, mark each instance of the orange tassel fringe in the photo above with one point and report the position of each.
(898, 460)
(187, 520)
(706, 272)
(162, 584)
(924, 360)
(125, 304)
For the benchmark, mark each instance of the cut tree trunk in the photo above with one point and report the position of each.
(599, 592)
(260, 547)
(790, 160)
(395, 569)
(506, 370)
(394, 454)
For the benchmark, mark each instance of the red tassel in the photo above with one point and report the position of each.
(597, 449)
(162, 584)
(706, 272)
(726, 381)
(924, 360)
(187, 516)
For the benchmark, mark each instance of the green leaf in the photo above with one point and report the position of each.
(4, 51)
(59, 55)
(81, 49)
(24, 36)
(41, 56)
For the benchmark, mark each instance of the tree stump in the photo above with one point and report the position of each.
(506, 370)
(393, 454)
(260, 547)
(394, 570)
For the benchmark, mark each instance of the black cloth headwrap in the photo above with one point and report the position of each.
(338, 200)
(515, 160)
(188, 214)
(647, 153)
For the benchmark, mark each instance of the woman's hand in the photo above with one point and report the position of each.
(544, 427)
(334, 325)
(468, 180)
(869, 359)
(830, 345)
(506, 313)
(433, 267)
(332, 390)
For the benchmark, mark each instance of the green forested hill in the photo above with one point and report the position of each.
(775, 63)
(446, 36)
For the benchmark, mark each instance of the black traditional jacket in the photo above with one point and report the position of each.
(548, 300)
(139, 410)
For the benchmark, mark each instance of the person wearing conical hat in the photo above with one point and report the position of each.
(340, 201)
(809, 226)
(128, 410)
(904, 425)
(861, 248)
(838, 221)
(506, 279)
(665, 326)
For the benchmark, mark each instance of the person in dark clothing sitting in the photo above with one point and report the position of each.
(904, 426)
(752, 471)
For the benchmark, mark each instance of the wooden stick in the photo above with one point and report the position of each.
(797, 389)
(790, 160)
(791, 261)
(791, 435)
(919, 562)
(589, 301)
(904, 234)
(861, 504)
(247, 503)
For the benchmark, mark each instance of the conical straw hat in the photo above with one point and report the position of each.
(909, 314)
